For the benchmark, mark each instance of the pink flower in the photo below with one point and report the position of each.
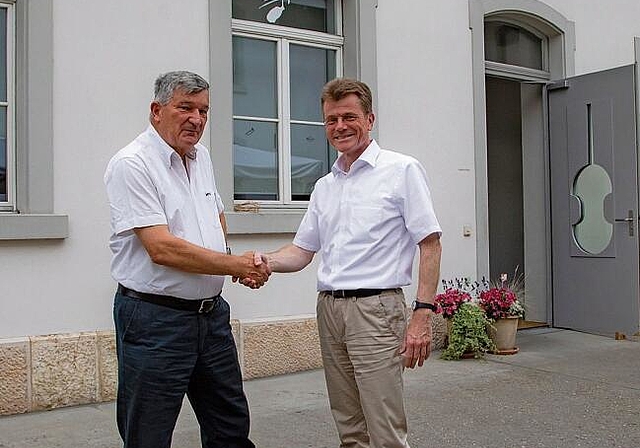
(499, 302)
(450, 300)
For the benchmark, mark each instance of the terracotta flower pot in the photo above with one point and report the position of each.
(503, 333)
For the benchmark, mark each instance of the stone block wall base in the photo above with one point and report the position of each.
(63, 370)
(275, 348)
(14, 376)
(46, 372)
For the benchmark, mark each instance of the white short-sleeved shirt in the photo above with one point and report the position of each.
(366, 223)
(147, 184)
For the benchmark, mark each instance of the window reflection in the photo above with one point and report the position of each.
(310, 69)
(311, 159)
(314, 15)
(255, 160)
(254, 78)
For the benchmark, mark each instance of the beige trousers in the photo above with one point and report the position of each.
(360, 339)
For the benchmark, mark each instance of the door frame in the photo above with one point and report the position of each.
(560, 33)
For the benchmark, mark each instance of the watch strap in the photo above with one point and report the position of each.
(430, 306)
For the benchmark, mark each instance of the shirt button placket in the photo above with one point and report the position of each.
(344, 210)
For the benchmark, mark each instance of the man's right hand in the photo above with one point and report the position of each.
(289, 258)
(256, 270)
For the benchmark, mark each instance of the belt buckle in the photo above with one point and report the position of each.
(206, 305)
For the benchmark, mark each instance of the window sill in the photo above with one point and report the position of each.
(33, 226)
(274, 221)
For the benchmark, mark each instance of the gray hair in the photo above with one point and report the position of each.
(167, 83)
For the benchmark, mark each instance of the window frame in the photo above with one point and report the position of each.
(32, 215)
(284, 37)
(359, 61)
(9, 204)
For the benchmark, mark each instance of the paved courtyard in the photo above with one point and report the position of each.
(564, 389)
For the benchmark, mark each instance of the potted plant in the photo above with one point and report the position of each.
(456, 292)
(468, 336)
(503, 308)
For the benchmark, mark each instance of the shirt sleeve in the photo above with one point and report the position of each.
(219, 202)
(133, 197)
(415, 199)
(204, 152)
(308, 234)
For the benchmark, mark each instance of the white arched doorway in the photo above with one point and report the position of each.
(518, 47)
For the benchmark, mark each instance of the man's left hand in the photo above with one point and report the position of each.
(417, 342)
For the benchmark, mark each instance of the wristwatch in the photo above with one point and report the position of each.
(417, 305)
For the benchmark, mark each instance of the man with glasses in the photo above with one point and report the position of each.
(365, 219)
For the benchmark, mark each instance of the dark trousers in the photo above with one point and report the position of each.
(164, 354)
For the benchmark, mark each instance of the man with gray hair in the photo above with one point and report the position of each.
(169, 258)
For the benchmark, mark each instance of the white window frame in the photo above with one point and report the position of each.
(359, 61)
(10, 204)
(33, 216)
(284, 38)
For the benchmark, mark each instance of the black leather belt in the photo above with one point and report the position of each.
(199, 305)
(344, 293)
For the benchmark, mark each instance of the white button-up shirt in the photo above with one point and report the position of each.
(366, 223)
(147, 184)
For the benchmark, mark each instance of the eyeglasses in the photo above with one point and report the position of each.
(332, 120)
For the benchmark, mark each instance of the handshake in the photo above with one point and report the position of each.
(254, 270)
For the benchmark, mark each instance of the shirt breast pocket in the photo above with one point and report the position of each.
(210, 203)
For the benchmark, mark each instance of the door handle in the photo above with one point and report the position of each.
(629, 219)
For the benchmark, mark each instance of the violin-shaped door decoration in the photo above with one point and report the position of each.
(591, 186)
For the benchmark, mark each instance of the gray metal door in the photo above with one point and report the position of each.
(594, 202)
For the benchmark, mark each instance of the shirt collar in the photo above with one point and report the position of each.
(369, 157)
(167, 151)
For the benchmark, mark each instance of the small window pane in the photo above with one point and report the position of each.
(311, 158)
(254, 78)
(3, 54)
(310, 69)
(4, 194)
(593, 233)
(315, 15)
(509, 44)
(255, 160)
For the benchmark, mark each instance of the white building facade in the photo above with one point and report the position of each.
(462, 85)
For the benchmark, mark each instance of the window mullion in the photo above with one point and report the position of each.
(285, 101)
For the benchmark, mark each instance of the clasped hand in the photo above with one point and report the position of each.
(257, 270)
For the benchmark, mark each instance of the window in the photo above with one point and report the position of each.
(7, 152)
(353, 39)
(26, 123)
(283, 53)
(515, 49)
(513, 45)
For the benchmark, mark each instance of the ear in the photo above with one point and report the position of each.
(155, 111)
(370, 120)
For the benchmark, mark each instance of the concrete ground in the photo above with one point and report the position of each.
(564, 389)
